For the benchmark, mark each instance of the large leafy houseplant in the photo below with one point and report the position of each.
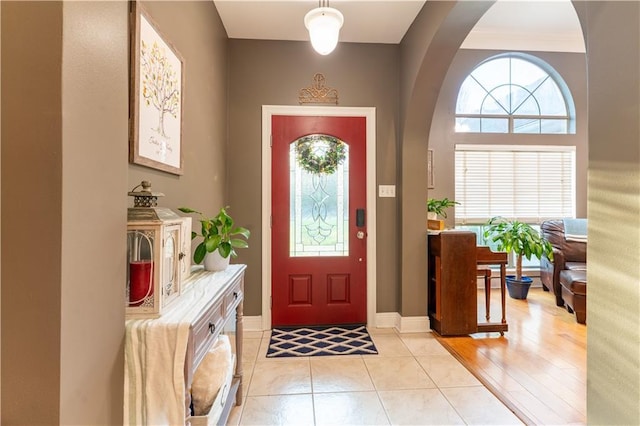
(218, 233)
(518, 237)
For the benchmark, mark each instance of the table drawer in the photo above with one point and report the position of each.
(207, 329)
(233, 295)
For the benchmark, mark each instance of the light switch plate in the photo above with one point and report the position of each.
(386, 191)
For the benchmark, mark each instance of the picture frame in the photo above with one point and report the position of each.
(156, 102)
(430, 173)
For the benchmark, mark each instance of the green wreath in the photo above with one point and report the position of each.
(320, 160)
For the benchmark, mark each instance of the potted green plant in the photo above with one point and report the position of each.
(435, 208)
(525, 241)
(439, 207)
(219, 239)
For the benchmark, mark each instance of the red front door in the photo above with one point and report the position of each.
(318, 229)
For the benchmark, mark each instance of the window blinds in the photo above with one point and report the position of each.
(528, 183)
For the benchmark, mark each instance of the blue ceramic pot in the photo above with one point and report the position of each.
(518, 289)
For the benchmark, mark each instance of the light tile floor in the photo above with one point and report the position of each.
(413, 380)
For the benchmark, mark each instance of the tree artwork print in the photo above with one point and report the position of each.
(160, 86)
(157, 106)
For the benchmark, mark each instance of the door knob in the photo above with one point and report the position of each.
(360, 235)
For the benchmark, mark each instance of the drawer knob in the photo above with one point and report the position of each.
(235, 294)
(212, 327)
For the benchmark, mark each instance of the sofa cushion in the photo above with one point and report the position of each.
(574, 281)
(576, 266)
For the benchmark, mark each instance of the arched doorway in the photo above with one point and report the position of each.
(612, 33)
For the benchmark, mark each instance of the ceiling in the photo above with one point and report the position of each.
(509, 24)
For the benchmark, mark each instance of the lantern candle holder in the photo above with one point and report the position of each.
(158, 254)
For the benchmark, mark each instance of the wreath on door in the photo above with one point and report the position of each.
(320, 154)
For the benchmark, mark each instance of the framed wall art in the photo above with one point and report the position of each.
(157, 79)
(430, 184)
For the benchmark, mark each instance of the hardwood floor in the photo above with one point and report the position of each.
(539, 367)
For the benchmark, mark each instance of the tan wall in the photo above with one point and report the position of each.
(65, 175)
(271, 73)
(94, 174)
(442, 138)
(0, 228)
(31, 211)
(613, 305)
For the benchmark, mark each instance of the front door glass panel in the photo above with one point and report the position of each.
(319, 197)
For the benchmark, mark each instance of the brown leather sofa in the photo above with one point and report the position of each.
(571, 257)
(573, 284)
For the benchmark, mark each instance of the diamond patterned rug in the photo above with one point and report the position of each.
(313, 341)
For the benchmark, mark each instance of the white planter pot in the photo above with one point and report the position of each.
(432, 215)
(215, 262)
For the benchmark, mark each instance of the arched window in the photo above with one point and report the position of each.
(514, 93)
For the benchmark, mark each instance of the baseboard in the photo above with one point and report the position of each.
(383, 320)
(402, 324)
(252, 323)
(388, 320)
(414, 325)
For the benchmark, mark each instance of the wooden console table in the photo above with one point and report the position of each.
(162, 354)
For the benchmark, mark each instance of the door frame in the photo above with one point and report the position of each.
(370, 114)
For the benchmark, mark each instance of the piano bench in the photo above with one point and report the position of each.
(485, 272)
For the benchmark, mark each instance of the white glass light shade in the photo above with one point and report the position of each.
(324, 25)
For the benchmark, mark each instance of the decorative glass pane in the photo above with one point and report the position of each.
(319, 197)
(140, 271)
(170, 263)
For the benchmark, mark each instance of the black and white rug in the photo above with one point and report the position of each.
(313, 341)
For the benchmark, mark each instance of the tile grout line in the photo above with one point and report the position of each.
(375, 388)
(248, 384)
(313, 400)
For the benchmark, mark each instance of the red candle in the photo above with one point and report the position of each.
(140, 281)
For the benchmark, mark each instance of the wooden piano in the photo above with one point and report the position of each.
(454, 264)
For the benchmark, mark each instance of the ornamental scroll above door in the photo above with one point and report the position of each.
(318, 93)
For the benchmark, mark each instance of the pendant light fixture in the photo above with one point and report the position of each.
(324, 25)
